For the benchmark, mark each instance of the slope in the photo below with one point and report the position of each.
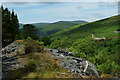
(29, 60)
(51, 28)
(103, 53)
(104, 27)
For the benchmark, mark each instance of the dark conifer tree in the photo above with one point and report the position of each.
(15, 24)
(10, 26)
(29, 31)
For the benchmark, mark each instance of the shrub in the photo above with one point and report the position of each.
(33, 46)
(30, 49)
(29, 38)
(101, 58)
(41, 43)
(46, 41)
(108, 67)
(81, 55)
(30, 67)
(64, 43)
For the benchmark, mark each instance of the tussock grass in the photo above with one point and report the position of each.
(39, 65)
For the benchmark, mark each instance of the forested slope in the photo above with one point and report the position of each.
(103, 53)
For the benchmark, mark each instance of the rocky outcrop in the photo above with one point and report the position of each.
(10, 62)
(15, 46)
(79, 66)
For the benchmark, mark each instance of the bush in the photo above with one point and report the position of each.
(31, 66)
(101, 58)
(104, 54)
(33, 46)
(46, 41)
(29, 38)
(108, 67)
(41, 43)
(80, 55)
(64, 43)
(30, 49)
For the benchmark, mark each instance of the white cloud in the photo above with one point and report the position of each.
(0, 3)
(52, 12)
(59, 0)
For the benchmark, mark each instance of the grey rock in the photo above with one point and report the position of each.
(92, 69)
(9, 63)
(60, 50)
(76, 65)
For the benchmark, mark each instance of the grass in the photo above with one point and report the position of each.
(105, 27)
(48, 29)
(38, 65)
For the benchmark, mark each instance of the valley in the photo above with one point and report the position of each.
(63, 49)
(47, 29)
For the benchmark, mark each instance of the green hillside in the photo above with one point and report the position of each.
(103, 53)
(104, 27)
(51, 28)
(37, 24)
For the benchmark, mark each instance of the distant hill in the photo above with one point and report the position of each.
(78, 22)
(75, 22)
(104, 27)
(37, 24)
(46, 29)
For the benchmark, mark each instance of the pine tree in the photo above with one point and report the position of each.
(10, 26)
(15, 23)
(29, 31)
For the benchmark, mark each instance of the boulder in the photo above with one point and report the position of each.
(60, 50)
(91, 69)
(9, 63)
(54, 51)
(80, 66)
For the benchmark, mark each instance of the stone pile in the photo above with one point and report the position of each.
(8, 62)
(79, 66)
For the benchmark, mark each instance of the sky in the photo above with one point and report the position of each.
(35, 12)
(59, 0)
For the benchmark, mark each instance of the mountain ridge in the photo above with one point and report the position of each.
(46, 29)
(91, 27)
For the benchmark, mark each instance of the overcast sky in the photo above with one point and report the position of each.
(34, 12)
